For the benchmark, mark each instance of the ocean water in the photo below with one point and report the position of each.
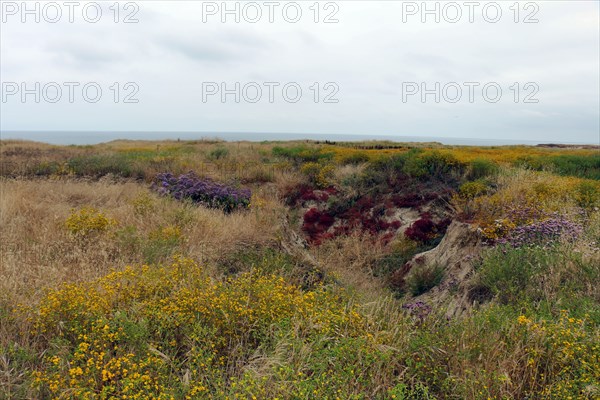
(94, 137)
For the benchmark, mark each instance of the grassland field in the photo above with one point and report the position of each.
(299, 270)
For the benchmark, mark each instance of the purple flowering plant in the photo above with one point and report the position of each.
(203, 191)
(544, 232)
(419, 310)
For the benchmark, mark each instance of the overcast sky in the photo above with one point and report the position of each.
(366, 71)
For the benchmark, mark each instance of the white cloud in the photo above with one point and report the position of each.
(369, 54)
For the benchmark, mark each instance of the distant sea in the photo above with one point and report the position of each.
(94, 137)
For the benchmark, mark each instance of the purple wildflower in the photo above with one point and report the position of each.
(203, 191)
(543, 232)
(418, 309)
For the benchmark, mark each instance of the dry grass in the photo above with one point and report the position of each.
(350, 260)
(38, 252)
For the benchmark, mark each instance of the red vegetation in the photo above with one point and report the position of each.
(413, 199)
(364, 216)
(424, 230)
(304, 193)
(371, 213)
(316, 224)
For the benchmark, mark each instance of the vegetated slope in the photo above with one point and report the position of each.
(299, 270)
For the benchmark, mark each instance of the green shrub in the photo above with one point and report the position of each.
(218, 153)
(402, 252)
(100, 165)
(541, 277)
(470, 190)
(481, 168)
(161, 243)
(433, 165)
(354, 158)
(507, 273)
(565, 164)
(318, 174)
(143, 204)
(581, 166)
(129, 241)
(424, 278)
(398, 161)
(587, 195)
(301, 154)
(384, 169)
(46, 168)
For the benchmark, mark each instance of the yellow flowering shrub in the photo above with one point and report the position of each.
(345, 155)
(257, 202)
(166, 233)
(522, 197)
(143, 204)
(464, 154)
(510, 154)
(587, 194)
(471, 190)
(64, 170)
(130, 333)
(565, 363)
(497, 229)
(319, 174)
(87, 221)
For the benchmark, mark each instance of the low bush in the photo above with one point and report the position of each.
(543, 233)
(316, 223)
(353, 158)
(203, 191)
(88, 221)
(118, 164)
(587, 195)
(423, 278)
(507, 273)
(481, 168)
(425, 230)
(434, 165)
(218, 153)
(302, 154)
(161, 243)
(318, 174)
(538, 275)
(402, 251)
(143, 204)
(470, 190)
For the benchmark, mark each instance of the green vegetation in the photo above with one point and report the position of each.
(218, 153)
(482, 168)
(565, 164)
(425, 278)
(326, 284)
(301, 154)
